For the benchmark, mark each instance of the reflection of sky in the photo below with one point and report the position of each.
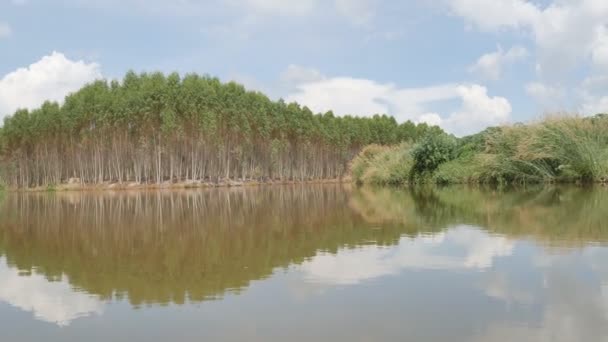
(573, 295)
(53, 302)
(537, 294)
(475, 287)
(457, 249)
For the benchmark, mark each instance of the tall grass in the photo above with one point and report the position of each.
(381, 165)
(556, 149)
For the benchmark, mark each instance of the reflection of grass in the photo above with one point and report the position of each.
(564, 215)
(160, 247)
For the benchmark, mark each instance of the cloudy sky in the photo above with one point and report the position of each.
(461, 64)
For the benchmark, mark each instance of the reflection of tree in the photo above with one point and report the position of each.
(160, 247)
(557, 215)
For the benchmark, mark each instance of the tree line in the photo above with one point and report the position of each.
(155, 128)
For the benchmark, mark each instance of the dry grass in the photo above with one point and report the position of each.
(558, 148)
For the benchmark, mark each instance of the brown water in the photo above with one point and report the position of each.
(305, 263)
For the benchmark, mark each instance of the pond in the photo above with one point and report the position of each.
(304, 263)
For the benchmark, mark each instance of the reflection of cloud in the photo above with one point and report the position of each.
(459, 248)
(572, 308)
(498, 286)
(54, 302)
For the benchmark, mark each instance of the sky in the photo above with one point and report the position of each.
(460, 64)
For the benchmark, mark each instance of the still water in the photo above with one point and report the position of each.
(306, 263)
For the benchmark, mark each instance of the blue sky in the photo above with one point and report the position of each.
(461, 64)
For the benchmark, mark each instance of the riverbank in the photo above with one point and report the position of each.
(74, 185)
(555, 150)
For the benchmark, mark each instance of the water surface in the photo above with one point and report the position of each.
(302, 263)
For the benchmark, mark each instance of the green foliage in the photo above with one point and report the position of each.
(155, 128)
(432, 151)
(566, 149)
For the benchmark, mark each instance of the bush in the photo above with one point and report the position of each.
(432, 151)
(566, 149)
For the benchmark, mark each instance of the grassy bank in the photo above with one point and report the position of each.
(556, 150)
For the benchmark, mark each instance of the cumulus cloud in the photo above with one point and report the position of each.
(431, 119)
(565, 32)
(478, 110)
(5, 30)
(51, 78)
(346, 95)
(490, 65)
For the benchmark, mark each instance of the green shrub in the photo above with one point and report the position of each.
(432, 151)
(563, 149)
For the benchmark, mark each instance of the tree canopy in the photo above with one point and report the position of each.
(153, 128)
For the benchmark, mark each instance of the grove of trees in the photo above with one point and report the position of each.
(153, 128)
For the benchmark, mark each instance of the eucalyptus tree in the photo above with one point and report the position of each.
(155, 128)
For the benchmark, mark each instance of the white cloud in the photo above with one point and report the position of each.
(296, 74)
(592, 93)
(360, 12)
(343, 95)
(491, 65)
(595, 105)
(51, 78)
(281, 7)
(545, 94)
(53, 302)
(346, 95)
(565, 32)
(478, 110)
(599, 52)
(495, 14)
(474, 249)
(431, 119)
(5, 30)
